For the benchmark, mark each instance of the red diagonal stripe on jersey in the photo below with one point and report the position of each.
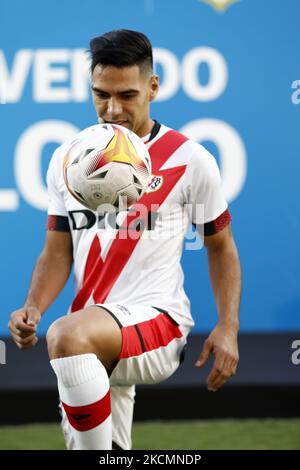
(163, 148)
(90, 275)
(101, 276)
(84, 418)
(156, 333)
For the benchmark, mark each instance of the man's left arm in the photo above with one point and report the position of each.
(225, 275)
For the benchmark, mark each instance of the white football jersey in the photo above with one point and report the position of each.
(133, 257)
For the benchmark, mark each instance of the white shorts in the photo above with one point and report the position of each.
(153, 346)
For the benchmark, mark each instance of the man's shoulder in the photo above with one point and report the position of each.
(164, 130)
(190, 150)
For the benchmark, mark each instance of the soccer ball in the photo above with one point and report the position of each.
(108, 166)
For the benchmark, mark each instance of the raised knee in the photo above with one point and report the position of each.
(64, 339)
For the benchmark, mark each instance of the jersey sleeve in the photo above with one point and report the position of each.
(57, 213)
(208, 208)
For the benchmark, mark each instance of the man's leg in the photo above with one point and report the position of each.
(122, 405)
(83, 348)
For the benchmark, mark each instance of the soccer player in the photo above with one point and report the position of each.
(130, 319)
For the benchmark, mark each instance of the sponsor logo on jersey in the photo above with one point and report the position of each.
(220, 5)
(85, 219)
(155, 184)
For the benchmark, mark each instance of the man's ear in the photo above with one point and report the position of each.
(154, 87)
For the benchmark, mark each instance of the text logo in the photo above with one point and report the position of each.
(296, 354)
(295, 97)
(2, 353)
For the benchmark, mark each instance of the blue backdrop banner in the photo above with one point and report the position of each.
(230, 79)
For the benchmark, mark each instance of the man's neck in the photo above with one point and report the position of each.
(146, 129)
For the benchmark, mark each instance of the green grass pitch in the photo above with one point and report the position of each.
(200, 435)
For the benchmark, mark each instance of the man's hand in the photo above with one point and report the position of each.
(222, 342)
(23, 325)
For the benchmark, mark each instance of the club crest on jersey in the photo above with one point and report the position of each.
(220, 5)
(155, 184)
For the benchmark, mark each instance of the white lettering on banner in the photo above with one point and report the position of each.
(80, 72)
(171, 73)
(218, 75)
(59, 75)
(28, 158)
(12, 84)
(45, 74)
(9, 200)
(233, 157)
(62, 75)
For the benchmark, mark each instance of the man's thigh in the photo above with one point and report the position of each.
(90, 330)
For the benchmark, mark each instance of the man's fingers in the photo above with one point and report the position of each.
(224, 368)
(213, 376)
(28, 345)
(203, 358)
(220, 375)
(218, 367)
(230, 366)
(220, 380)
(234, 368)
(23, 341)
(20, 338)
(23, 327)
(17, 331)
(33, 316)
(25, 320)
(29, 340)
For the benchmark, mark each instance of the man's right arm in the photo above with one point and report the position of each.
(48, 279)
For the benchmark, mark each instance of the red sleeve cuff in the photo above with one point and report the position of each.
(58, 223)
(215, 226)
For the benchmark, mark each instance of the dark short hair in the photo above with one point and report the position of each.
(122, 48)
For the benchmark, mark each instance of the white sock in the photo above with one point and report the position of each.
(83, 387)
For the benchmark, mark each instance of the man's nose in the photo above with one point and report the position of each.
(114, 108)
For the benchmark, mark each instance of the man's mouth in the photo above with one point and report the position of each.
(119, 123)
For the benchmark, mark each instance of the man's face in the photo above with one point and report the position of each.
(122, 95)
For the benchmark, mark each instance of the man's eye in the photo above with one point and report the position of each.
(103, 96)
